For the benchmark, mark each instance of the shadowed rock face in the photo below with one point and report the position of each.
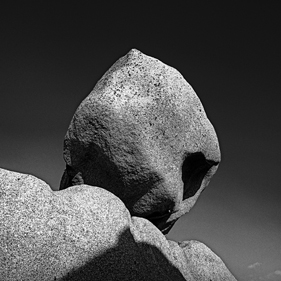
(86, 233)
(142, 134)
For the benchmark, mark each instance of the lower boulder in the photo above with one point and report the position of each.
(86, 233)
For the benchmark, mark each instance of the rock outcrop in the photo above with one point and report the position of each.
(86, 233)
(143, 135)
(139, 151)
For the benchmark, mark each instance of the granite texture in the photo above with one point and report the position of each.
(143, 134)
(203, 263)
(86, 233)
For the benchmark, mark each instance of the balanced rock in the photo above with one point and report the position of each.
(85, 233)
(142, 134)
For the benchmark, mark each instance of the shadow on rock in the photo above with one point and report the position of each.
(127, 261)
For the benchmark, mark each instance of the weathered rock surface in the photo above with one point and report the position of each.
(86, 233)
(202, 263)
(142, 134)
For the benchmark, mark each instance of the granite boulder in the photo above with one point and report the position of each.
(143, 134)
(86, 233)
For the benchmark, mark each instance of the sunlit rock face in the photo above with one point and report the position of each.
(86, 233)
(143, 134)
(80, 233)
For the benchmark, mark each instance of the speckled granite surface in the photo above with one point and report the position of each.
(85, 233)
(143, 134)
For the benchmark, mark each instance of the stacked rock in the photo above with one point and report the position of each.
(142, 134)
(139, 151)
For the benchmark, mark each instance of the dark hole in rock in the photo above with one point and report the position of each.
(159, 218)
(194, 169)
(156, 216)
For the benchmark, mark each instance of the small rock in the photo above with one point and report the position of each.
(204, 264)
(142, 134)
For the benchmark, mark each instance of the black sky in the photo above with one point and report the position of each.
(53, 52)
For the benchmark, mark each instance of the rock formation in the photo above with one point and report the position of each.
(139, 151)
(143, 135)
(86, 233)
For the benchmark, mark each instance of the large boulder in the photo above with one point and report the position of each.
(85, 233)
(142, 134)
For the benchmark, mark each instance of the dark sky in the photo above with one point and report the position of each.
(53, 53)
